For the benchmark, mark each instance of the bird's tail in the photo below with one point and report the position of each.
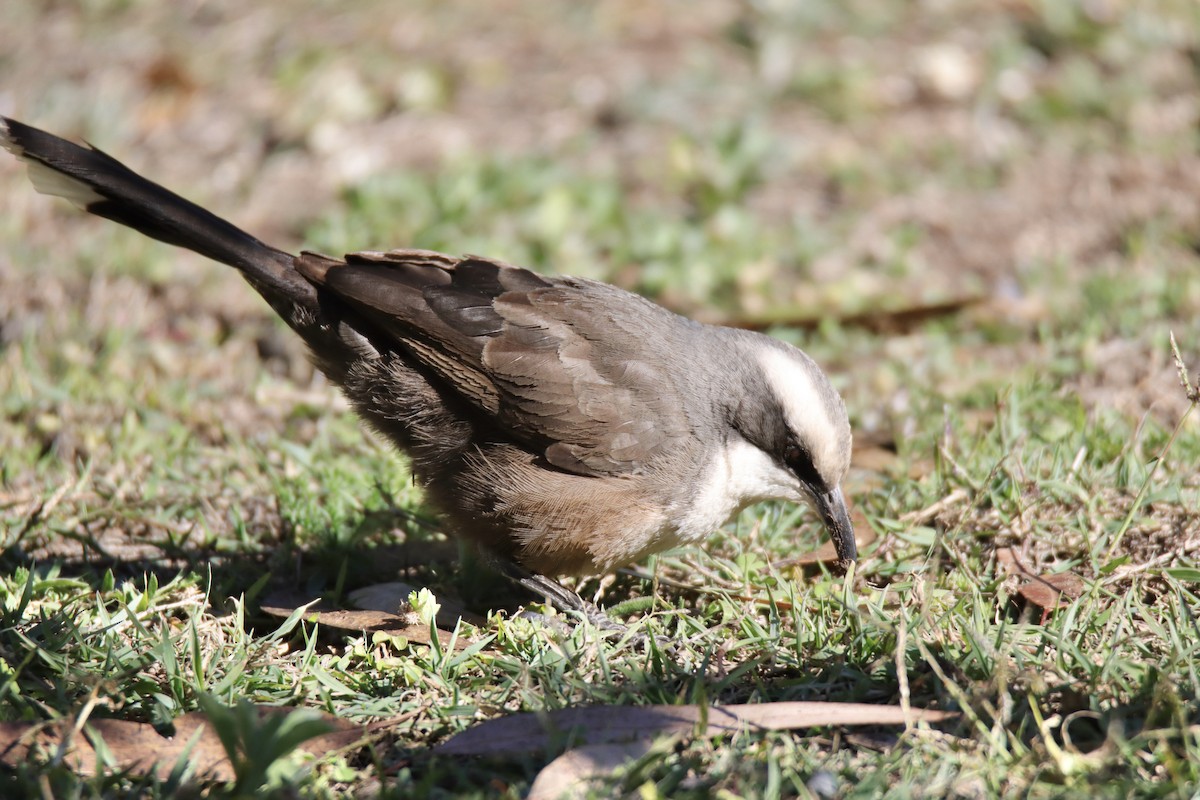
(103, 186)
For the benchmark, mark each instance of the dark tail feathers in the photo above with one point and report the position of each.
(107, 188)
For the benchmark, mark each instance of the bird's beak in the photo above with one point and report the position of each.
(832, 508)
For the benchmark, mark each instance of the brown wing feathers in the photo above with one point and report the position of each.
(513, 343)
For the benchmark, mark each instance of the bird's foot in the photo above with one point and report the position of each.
(569, 602)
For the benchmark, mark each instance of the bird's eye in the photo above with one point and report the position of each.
(800, 462)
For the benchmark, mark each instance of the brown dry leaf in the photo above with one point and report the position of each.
(392, 598)
(138, 748)
(1008, 560)
(568, 775)
(1046, 591)
(526, 732)
(881, 321)
(874, 458)
(353, 621)
(884, 460)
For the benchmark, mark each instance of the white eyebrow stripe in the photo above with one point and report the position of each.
(804, 404)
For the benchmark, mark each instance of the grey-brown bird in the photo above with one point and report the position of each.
(564, 425)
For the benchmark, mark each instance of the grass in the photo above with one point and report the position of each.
(168, 460)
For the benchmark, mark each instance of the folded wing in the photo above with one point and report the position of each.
(557, 362)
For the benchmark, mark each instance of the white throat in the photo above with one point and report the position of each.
(738, 475)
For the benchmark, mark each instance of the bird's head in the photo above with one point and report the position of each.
(793, 415)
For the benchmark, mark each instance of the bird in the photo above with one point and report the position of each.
(563, 425)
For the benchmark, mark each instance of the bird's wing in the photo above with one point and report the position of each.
(557, 362)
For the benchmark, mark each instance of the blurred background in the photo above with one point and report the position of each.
(935, 198)
(751, 160)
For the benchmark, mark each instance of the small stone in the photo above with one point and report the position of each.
(823, 783)
(947, 71)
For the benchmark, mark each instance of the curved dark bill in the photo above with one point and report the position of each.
(832, 508)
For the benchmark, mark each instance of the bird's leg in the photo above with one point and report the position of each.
(558, 595)
(565, 600)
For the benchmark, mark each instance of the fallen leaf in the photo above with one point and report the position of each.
(138, 748)
(1042, 590)
(1009, 561)
(568, 775)
(165, 73)
(878, 454)
(1046, 591)
(392, 598)
(883, 321)
(875, 459)
(282, 604)
(526, 732)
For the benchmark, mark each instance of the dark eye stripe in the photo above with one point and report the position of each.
(800, 462)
